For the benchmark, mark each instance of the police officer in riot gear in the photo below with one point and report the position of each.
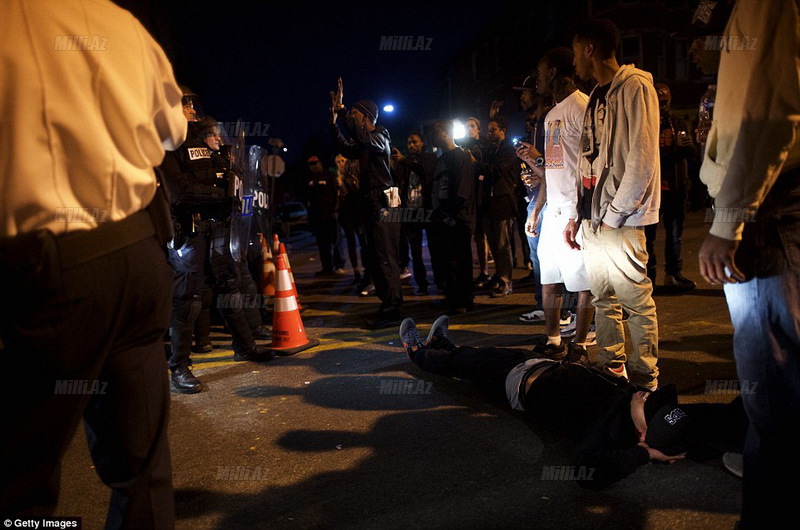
(232, 278)
(199, 201)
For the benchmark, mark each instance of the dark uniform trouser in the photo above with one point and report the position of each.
(227, 279)
(92, 347)
(189, 287)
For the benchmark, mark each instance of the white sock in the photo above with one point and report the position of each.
(554, 340)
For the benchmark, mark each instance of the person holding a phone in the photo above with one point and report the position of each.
(676, 148)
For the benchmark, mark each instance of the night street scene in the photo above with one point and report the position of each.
(381, 265)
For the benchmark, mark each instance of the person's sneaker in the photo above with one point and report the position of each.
(567, 317)
(203, 347)
(323, 273)
(405, 273)
(184, 381)
(409, 336)
(576, 353)
(568, 329)
(422, 290)
(257, 354)
(537, 315)
(500, 292)
(481, 281)
(679, 282)
(384, 318)
(438, 334)
(551, 351)
(733, 463)
(616, 371)
(368, 289)
(338, 271)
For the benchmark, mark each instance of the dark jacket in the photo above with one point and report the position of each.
(500, 168)
(595, 410)
(674, 158)
(423, 166)
(454, 187)
(190, 178)
(371, 149)
(323, 191)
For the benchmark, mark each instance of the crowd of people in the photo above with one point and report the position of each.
(589, 184)
(597, 174)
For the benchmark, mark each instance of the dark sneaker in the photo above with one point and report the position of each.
(679, 282)
(384, 318)
(367, 289)
(422, 290)
(551, 351)
(438, 334)
(500, 292)
(184, 381)
(481, 281)
(324, 273)
(203, 347)
(577, 354)
(410, 336)
(257, 354)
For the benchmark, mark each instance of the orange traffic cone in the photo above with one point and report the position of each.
(267, 269)
(288, 335)
(276, 245)
(291, 276)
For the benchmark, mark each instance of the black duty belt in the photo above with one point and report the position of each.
(75, 248)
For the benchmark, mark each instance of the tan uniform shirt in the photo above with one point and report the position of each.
(88, 105)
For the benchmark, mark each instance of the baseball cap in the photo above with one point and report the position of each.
(709, 18)
(528, 84)
(670, 430)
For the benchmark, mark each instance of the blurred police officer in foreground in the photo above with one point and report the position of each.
(85, 282)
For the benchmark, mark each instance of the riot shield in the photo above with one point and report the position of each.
(259, 221)
(236, 188)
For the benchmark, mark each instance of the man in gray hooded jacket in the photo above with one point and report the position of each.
(619, 195)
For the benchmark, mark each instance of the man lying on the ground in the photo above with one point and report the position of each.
(618, 426)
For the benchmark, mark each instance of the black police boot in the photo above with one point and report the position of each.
(258, 354)
(262, 332)
(184, 381)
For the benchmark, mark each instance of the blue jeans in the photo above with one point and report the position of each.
(766, 318)
(533, 245)
(765, 311)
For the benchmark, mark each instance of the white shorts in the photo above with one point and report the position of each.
(559, 263)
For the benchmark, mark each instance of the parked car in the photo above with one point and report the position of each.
(291, 214)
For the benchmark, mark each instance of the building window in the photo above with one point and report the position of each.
(683, 64)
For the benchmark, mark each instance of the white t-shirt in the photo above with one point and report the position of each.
(562, 146)
(514, 380)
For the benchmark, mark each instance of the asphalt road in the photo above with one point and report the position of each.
(351, 434)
